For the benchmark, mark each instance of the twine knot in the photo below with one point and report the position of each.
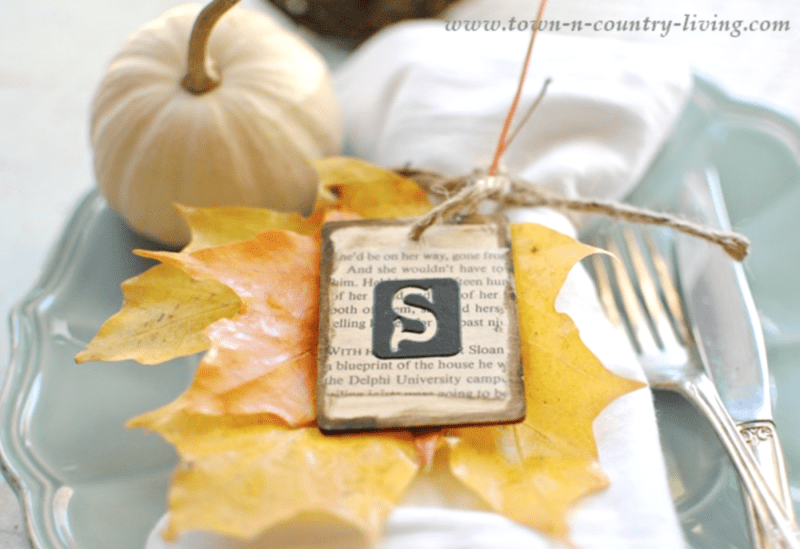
(465, 202)
(462, 196)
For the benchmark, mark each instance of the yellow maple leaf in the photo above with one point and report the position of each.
(251, 457)
(533, 484)
(535, 471)
(163, 317)
(241, 475)
(211, 227)
(370, 191)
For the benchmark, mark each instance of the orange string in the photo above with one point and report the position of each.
(503, 141)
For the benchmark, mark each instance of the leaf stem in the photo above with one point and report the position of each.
(503, 142)
(528, 113)
(201, 76)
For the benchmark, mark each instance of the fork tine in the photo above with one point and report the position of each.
(636, 316)
(672, 297)
(605, 292)
(649, 287)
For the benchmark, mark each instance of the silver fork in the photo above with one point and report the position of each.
(650, 312)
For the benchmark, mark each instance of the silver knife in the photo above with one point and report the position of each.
(728, 333)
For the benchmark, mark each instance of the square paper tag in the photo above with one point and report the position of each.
(417, 333)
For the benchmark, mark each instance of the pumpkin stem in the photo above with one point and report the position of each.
(201, 76)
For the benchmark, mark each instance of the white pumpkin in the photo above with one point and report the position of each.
(247, 140)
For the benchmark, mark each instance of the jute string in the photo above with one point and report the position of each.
(462, 195)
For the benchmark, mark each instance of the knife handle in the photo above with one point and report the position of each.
(762, 438)
(779, 527)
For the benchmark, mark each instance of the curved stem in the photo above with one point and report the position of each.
(200, 75)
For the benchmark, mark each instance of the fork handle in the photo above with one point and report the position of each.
(762, 438)
(778, 525)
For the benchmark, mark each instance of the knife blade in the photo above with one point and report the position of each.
(728, 331)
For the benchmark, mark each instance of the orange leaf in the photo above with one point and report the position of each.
(264, 359)
(534, 472)
(165, 311)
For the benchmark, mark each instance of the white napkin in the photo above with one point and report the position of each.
(416, 94)
(436, 99)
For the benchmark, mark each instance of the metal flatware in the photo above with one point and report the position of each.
(728, 333)
(642, 300)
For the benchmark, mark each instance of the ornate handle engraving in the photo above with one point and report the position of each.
(753, 435)
(762, 438)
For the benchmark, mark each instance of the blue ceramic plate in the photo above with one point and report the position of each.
(86, 481)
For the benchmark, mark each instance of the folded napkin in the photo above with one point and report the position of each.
(418, 95)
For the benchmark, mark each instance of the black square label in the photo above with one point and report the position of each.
(416, 318)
